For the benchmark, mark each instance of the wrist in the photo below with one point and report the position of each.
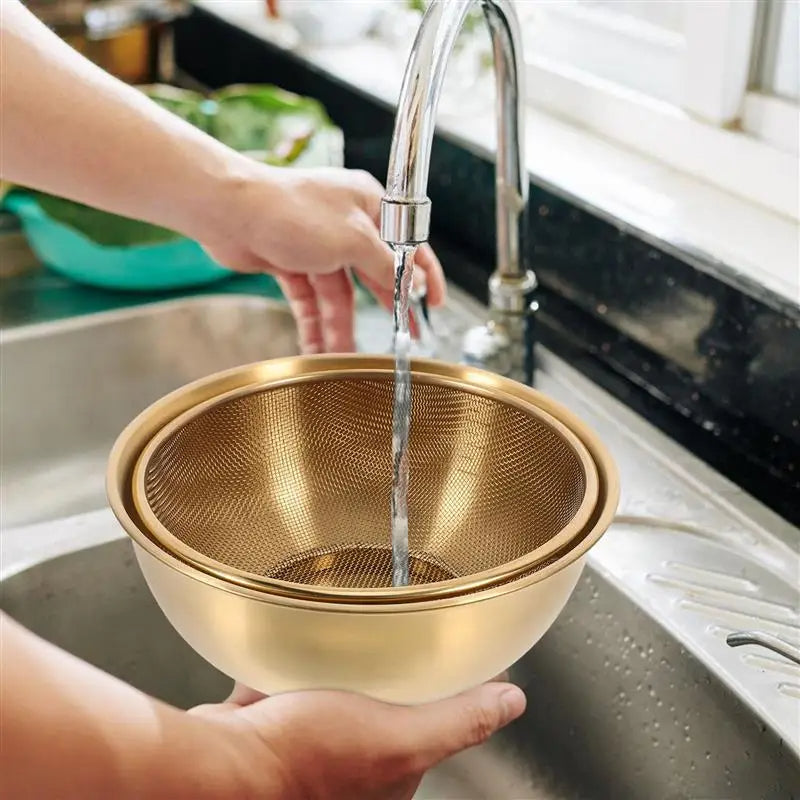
(231, 759)
(186, 757)
(218, 209)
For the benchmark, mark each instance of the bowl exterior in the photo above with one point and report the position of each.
(178, 264)
(405, 654)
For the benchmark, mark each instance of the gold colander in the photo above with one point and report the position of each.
(285, 485)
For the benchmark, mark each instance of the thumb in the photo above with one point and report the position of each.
(447, 727)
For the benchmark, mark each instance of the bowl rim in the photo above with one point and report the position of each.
(125, 475)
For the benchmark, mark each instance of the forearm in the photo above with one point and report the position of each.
(71, 129)
(68, 730)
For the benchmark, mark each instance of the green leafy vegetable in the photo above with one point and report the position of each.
(264, 118)
(188, 105)
(109, 230)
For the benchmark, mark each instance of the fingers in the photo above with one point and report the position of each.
(336, 307)
(302, 299)
(385, 298)
(371, 255)
(383, 295)
(243, 695)
(443, 729)
(324, 309)
(427, 261)
(428, 271)
(369, 193)
(240, 696)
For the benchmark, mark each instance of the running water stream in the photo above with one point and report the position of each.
(401, 414)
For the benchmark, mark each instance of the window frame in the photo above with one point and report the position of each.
(736, 139)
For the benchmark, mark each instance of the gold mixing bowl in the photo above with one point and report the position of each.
(258, 503)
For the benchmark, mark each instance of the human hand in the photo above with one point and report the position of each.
(331, 745)
(311, 228)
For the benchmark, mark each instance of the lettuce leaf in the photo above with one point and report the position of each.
(108, 230)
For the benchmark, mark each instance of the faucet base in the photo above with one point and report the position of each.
(505, 344)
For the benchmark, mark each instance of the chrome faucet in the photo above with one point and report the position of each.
(504, 344)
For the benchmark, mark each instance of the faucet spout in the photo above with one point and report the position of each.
(406, 209)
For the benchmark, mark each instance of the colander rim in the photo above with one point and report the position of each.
(501, 573)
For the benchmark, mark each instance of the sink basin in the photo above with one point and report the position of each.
(632, 693)
(71, 386)
(616, 707)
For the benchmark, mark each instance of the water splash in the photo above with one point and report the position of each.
(401, 414)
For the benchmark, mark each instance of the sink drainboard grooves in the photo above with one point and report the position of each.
(778, 665)
(712, 578)
(729, 601)
(790, 690)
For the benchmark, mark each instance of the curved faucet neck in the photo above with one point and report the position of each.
(405, 211)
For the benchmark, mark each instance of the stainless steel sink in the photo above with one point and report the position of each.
(617, 707)
(632, 694)
(69, 387)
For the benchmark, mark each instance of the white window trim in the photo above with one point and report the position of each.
(773, 120)
(584, 36)
(719, 36)
(711, 127)
(704, 68)
(730, 159)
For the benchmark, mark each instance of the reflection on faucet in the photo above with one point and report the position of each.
(505, 344)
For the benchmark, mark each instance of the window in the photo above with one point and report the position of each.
(770, 109)
(709, 86)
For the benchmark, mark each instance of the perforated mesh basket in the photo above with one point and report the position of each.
(288, 485)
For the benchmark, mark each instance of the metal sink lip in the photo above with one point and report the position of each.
(54, 327)
(133, 353)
